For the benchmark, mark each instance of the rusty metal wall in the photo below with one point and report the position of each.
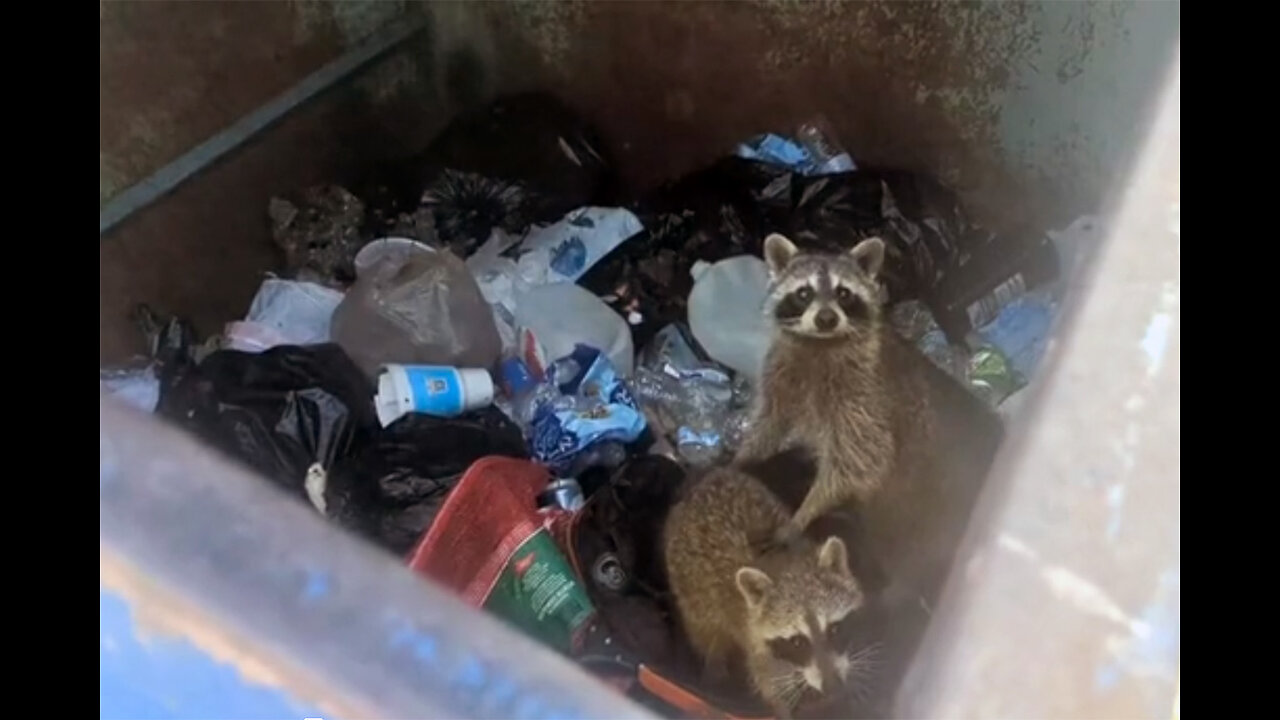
(1031, 109)
(175, 73)
(171, 73)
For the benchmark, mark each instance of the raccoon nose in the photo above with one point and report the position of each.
(825, 319)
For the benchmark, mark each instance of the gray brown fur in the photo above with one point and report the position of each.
(732, 600)
(854, 392)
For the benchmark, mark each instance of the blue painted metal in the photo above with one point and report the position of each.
(254, 606)
(164, 678)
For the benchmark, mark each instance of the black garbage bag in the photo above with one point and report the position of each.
(522, 159)
(728, 209)
(390, 489)
(279, 411)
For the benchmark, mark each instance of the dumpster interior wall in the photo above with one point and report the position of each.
(1030, 110)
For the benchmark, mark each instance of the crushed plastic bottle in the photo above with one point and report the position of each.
(695, 404)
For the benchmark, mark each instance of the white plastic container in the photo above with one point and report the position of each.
(430, 389)
(378, 249)
(561, 315)
(726, 312)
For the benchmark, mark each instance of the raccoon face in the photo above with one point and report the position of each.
(820, 295)
(801, 618)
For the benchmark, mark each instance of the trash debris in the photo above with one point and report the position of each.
(491, 546)
(812, 151)
(521, 159)
(573, 245)
(991, 377)
(285, 312)
(971, 295)
(581, 403)
(432, 390)
(279, 411)
(391, 487)
(467, 207)
(420, 308)
(1021, 330)
(320, 233)
(139, 387)
(563, 493)
(700, 409)
(726, 312)
(387, 247)
(563, 315)
(728, 208)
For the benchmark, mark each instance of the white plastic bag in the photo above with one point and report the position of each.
(298, 312)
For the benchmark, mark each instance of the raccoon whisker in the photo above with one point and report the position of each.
(868, 655)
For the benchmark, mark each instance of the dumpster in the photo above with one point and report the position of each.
(221, 599)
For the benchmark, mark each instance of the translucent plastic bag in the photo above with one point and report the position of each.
(417, 308)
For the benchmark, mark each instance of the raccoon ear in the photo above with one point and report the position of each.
(778, 251)
(869, 254)
(753, 584)
(834, 556)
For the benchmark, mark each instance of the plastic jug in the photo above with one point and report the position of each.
(726, 312)
(561, 315)
(416, 308)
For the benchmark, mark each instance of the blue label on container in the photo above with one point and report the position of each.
(436, 390)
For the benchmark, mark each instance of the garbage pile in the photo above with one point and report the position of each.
(496, 296)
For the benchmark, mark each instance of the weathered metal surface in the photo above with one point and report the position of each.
(202, 251)
(172, 74)
(1065, 602)
(251, 605)
(165, 179)
(1031, 109)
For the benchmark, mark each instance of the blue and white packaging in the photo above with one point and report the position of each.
(430, 389)
(580, 239)
(603, 411)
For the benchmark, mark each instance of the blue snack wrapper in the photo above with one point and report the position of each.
(604, 411)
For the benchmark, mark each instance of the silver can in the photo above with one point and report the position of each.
(564, 493)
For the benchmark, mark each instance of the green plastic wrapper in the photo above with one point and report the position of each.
(992, 377)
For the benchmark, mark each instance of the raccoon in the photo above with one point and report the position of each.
(836, 378)
(786, 613)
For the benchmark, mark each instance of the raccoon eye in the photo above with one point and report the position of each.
(798, 643)
(844, 295)
(805, 294)
(834, 629)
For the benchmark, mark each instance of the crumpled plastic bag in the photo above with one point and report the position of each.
(521, 159)
(421, 308)
(279, 411)
(320, 232)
